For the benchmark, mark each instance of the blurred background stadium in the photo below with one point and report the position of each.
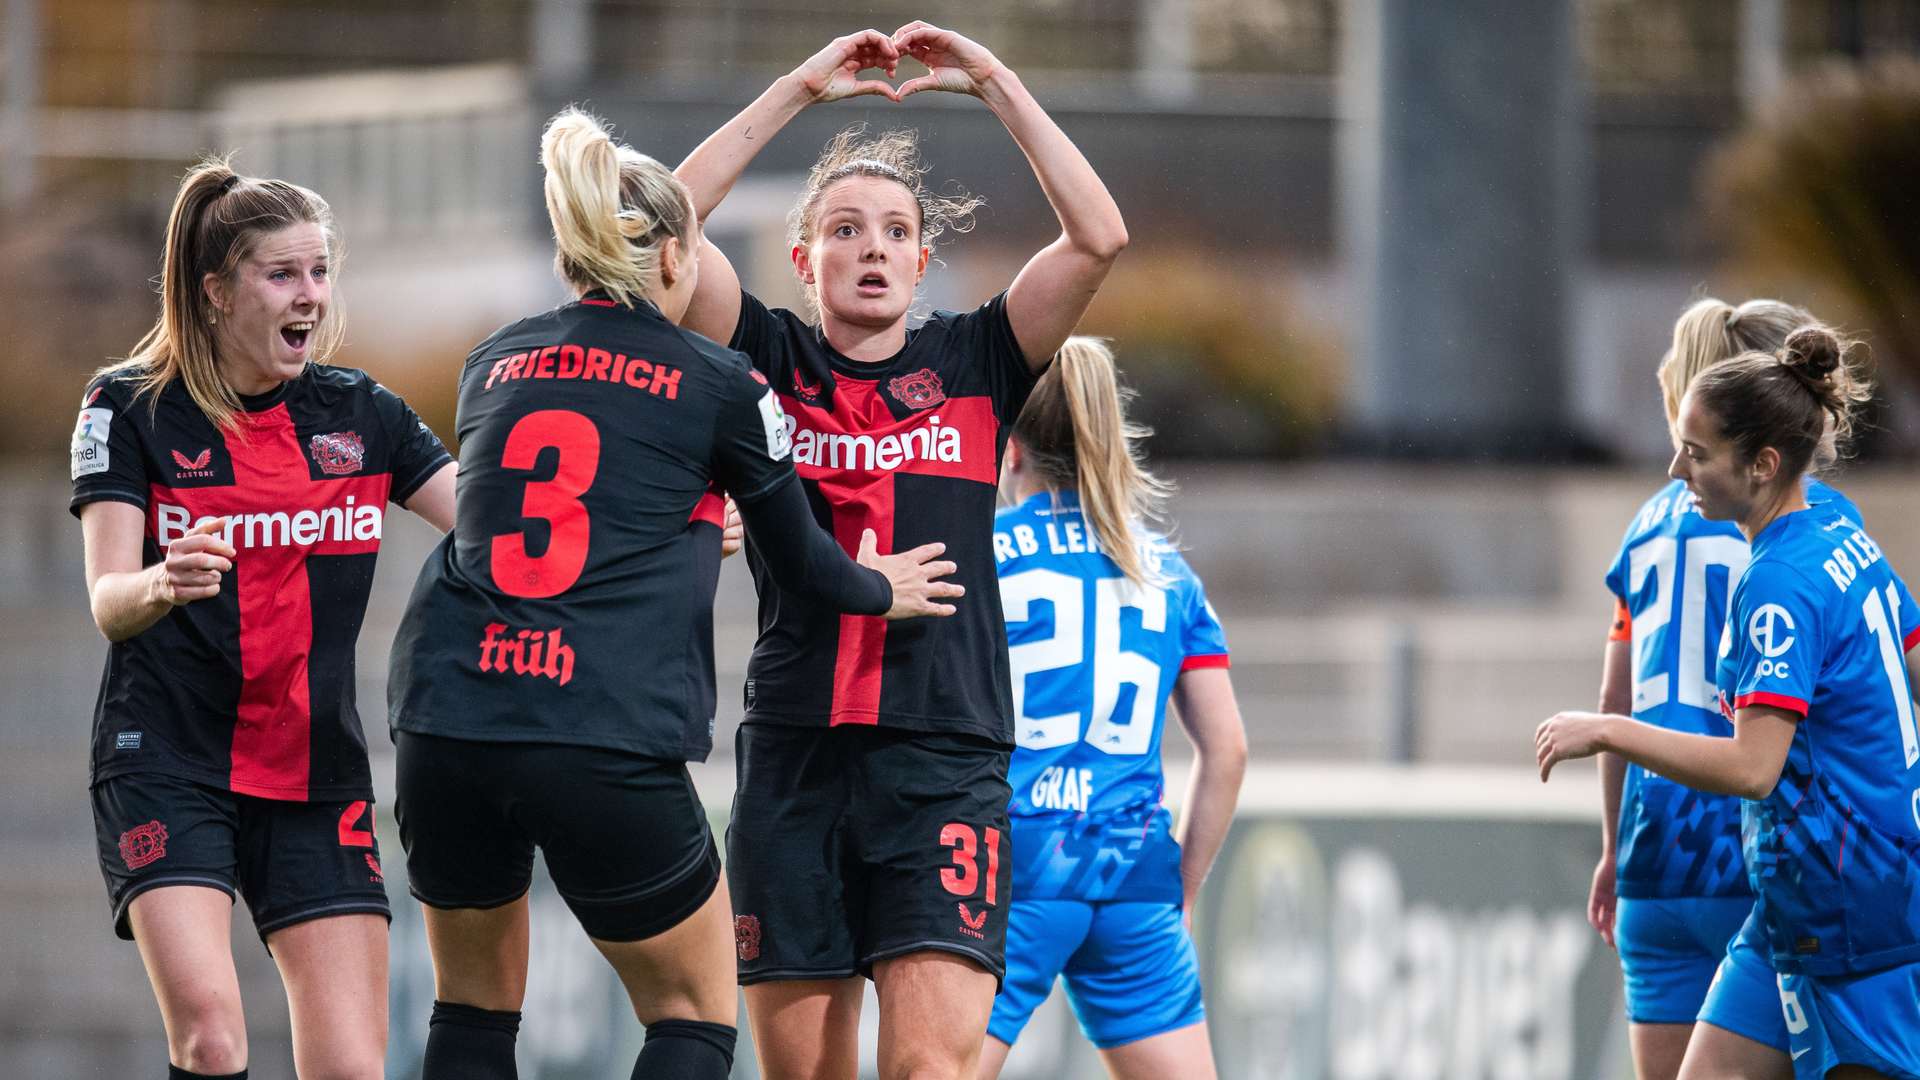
(1400, 274)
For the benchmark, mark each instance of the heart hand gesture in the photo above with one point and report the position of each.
(834, 72)
(955, 64)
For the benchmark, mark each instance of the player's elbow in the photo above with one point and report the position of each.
(1107, 242)
(1757, 781)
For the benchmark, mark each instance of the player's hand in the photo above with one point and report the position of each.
(1567, 735)
(1601, 900)
(834, 72)
(732, 533)
(955, 64)
(194, 565)
(913, 574)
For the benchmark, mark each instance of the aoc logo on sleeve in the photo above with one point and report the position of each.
(90, 442)
(779, 441)
(1771, 630)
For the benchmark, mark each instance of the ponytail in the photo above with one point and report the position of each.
(217, 218)
(612, 209)
(1075, 432)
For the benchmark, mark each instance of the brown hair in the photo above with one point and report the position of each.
(1711, 331)
(612, 209)
(893, 156)
(1799, 399)
(217, 219)
(1076, 435)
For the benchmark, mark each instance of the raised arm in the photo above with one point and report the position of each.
(1053, 290)
(1203, 702)
(716, 164)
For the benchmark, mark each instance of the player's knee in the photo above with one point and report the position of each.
(211, 1046)
(927, 1062)
(686, 1002)
(351, 1066)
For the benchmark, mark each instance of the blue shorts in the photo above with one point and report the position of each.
(1871, 1020)
(1744, 997)
(1669, 951)
(1130, 968)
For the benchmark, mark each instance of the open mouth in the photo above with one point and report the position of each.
(296, 335)
(871, 284)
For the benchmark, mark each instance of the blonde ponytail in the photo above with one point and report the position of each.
(1076, 435)
(612, 209)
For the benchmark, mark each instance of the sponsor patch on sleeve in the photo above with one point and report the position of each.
(779, 442)
(90, 442)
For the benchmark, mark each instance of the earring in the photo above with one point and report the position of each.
(212, 319)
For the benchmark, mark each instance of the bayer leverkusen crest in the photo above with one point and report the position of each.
(919, 390)
(338, 453)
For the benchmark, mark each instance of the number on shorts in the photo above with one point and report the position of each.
(963, 876)
(350, 835)
(555, 501)
(1790, 1006)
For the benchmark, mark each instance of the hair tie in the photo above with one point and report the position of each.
(229, 183)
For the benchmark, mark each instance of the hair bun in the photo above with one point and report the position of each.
(1812, 352)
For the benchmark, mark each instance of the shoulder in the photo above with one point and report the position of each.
(1660, 509)
(113, 387)
(708, 353)
(1775, 577)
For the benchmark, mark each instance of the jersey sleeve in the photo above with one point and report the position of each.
(1203, 640)
(1617, 570)
(752, 448)
(1777, 638)
(417, 452)
(1909, 616)
(758, 333)
(987, 335)
(109, 464)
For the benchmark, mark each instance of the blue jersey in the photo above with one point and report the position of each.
(1673, 573)
(1820, 626)
(1093, 658)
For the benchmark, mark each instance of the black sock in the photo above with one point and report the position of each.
(686, 1050)
(175, 1072)
(466, 1042)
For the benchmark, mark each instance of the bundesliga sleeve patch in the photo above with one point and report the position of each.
(779, 440)
(90, 442)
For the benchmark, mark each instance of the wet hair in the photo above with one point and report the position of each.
(1076, 436)
(217, 220)
(612, 209)
(1711, 331)
(893, 156)
(1799, 399)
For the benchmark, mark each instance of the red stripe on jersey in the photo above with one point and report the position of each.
(1912, 640)
(1205, 660)
(853, 453)
(1778, 701)
(278, 516)
(712, 509)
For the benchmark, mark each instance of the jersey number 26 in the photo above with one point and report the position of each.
(1113, 666)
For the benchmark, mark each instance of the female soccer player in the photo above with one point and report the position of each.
(1823, 740)
(1670, 854)
(872, 764)
(231, 490)
(1105, 624)
(554, 670)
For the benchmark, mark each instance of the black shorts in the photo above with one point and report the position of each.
(292, 861)
(625, 837)
(853, 844)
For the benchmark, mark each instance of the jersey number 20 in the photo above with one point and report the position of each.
(1692, 684)
(1113, 667)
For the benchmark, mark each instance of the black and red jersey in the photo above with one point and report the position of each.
(909, 447)
(251, 690)
(573, 601)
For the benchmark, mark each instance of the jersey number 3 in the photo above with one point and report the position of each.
(1113, 667)
(556, 502)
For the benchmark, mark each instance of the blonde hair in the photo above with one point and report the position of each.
(1075, 433)
(612, 209)
(1711, 331)
(893, 156)
(217, 219)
